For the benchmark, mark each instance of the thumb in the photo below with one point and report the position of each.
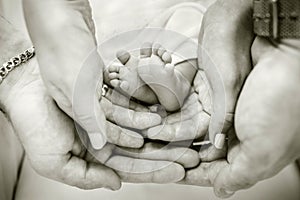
(86, 107)
(232, 178)
(225, 39)
(239, 171)
(68, 60)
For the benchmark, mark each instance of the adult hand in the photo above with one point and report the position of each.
(224, 46)
(49, 136)
(46, 133)
(266, 123)
(64, 36)
(191, 122)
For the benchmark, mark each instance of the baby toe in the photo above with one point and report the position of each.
(146, 49)
(161, 51)
(113, 75)
(123, 56)
(155, 48)
(166, 57)
(115, 83)
(115, 67)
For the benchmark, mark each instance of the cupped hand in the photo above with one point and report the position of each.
(266, 136)
(54, 149)
(51, 141)
(64, 36)
(224, 54)
(192, 121)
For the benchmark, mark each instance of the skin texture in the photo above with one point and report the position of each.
(228, 175)
(270, 123)
(123, 76)
(48, 135)
(168, 83)
(70, 161)
(224, 54)
(269, 98)
(62, 57)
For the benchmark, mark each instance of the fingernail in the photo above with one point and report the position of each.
(227, 193)
(116, 186)
(97, 140)
(223, 193)
(219, 140)
(113, 188)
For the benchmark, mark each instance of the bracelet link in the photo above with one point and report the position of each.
(15, 62)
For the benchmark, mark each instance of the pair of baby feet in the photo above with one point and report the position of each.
(150, 78)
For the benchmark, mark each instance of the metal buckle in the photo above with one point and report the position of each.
(274, 8)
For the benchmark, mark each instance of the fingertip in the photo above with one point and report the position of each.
(219, 140)
(116, 186)
(98, 140)
(156, 119)
(115, 83)
(179, 171)
(114, 183)
(172, 173)
(223, 193)
(153, 132)
(189, 159)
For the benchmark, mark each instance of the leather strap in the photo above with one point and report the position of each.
(277, 18)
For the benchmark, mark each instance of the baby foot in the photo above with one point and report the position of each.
(125, 78)
(155, 69)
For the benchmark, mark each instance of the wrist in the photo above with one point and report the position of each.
(12, 44)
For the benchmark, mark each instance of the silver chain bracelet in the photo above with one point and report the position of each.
(15, 62)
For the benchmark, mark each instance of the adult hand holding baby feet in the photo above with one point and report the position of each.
(62, 47)
(266, 135)
(169, 83)
(72, 164)
(224, 48)
(152, 78)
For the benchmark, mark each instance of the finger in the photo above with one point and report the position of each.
(71, 67)
(86, 108)
(185, 130)
(120, 100)
(116, 135)
(232, 178)
(129, 118)
(203, 175)
(225, 57)
(48, 136)
(190, 108)
(153, 151)
(123, 137)
(209, 153)
(202, 88)
(74, 171)
(146, 171)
